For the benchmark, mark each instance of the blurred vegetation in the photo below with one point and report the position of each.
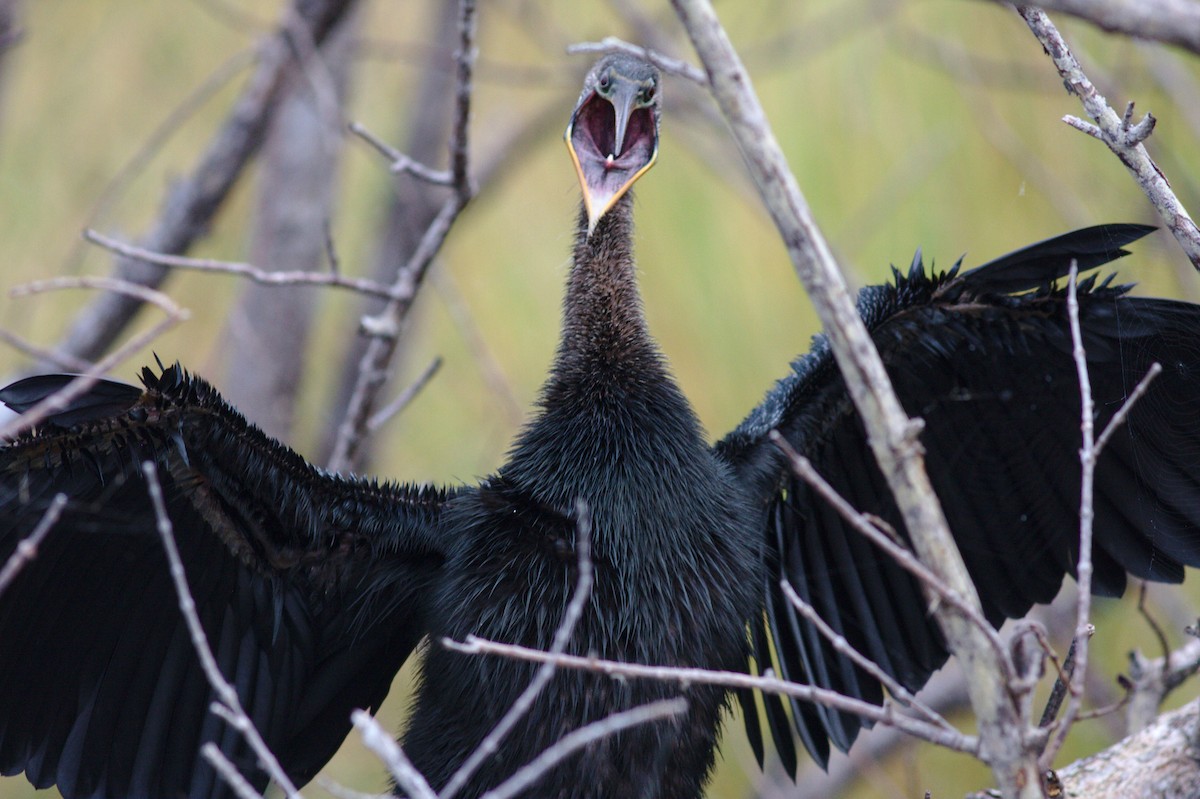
(931, 123)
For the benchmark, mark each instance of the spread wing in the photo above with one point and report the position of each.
(309, 587)
(990, 371)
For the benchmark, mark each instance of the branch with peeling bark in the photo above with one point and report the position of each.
(1119, 132)
(893, 436)
(1160, 761)
(1174, 22)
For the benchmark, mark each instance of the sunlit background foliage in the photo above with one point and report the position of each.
(931, 123)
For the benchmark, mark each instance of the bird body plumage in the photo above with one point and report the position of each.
(674, 570)
(313, 588)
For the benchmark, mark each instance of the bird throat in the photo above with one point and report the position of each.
(604, 327)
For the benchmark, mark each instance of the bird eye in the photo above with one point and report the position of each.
(605, 82)
(648, 94)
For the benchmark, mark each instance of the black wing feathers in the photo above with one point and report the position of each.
(284, 563)
(1036, 266)
(106, 398)
(991, 373)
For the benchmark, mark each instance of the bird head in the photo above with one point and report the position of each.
(613, 133)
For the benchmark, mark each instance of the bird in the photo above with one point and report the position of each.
(314, 588)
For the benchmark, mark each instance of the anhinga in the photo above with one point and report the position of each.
(314, 588)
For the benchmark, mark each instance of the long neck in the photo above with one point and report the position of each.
(609, 406)
(604, 329)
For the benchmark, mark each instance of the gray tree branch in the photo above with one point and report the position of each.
(1119, 132)
(892, 435)
(1174, 22)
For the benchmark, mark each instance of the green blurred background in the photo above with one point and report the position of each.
(932, 123)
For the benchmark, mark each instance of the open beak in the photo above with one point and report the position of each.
(613, 141)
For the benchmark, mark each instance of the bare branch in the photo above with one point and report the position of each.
(1084, 567)
(873, 750)
(728, 679)
(892, 435)
(401, 163)
(1089, 454)
(1118, 132)
(158, 138)
(249, 271)
(229, 773)
(380, 741)
(115, 285)
(673, 66)
(804, 469)
(1169, 21)
(57, 360)
(374, 366)
(339, 791)
(27, 547)
(1152, 679)
(843, 646)
(267, 333)
(528, 774)
(229, 707)
(1160, 761)
(405, 397)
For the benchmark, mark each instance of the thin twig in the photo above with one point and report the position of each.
(116, 285)
(1152, 622)
(1118, 418)
(405, 397)
(673, 66)
(374, 366)
(1123, 137)
(27, 547)
(1089, 454)
(765, 682)
(249, 271)
(229, 773)
(890, 544)
(1170, 21)
(530, 773)
(230, 706)
(401, 163)
(499, 385)
(562, 636)
(1109, 709)
(57, 359)
(381, 742)
(331, 254)
(843, 646)
(1084, 567)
